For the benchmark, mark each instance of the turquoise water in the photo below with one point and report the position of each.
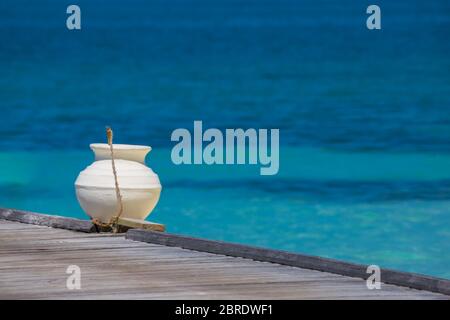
(364, 117)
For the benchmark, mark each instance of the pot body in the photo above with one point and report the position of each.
(140, 187)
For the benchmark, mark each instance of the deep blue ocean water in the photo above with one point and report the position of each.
(364, 117)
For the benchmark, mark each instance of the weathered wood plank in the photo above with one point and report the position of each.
(74, 224)
(47, 220)
(128, 223)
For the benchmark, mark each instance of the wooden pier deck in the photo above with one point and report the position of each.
(34, 259)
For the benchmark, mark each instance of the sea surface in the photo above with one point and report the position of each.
(364, 117)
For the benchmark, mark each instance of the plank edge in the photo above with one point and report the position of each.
(52, 221)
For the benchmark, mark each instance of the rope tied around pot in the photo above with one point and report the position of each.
(114, 221)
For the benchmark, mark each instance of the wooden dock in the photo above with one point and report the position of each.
(34, 260)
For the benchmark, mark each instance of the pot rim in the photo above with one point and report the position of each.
(119, 146)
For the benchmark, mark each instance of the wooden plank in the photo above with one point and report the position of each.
(74, 224)
(128, 223)
(47, 220)
(406, 279)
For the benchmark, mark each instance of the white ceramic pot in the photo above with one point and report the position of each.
(139, 185)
